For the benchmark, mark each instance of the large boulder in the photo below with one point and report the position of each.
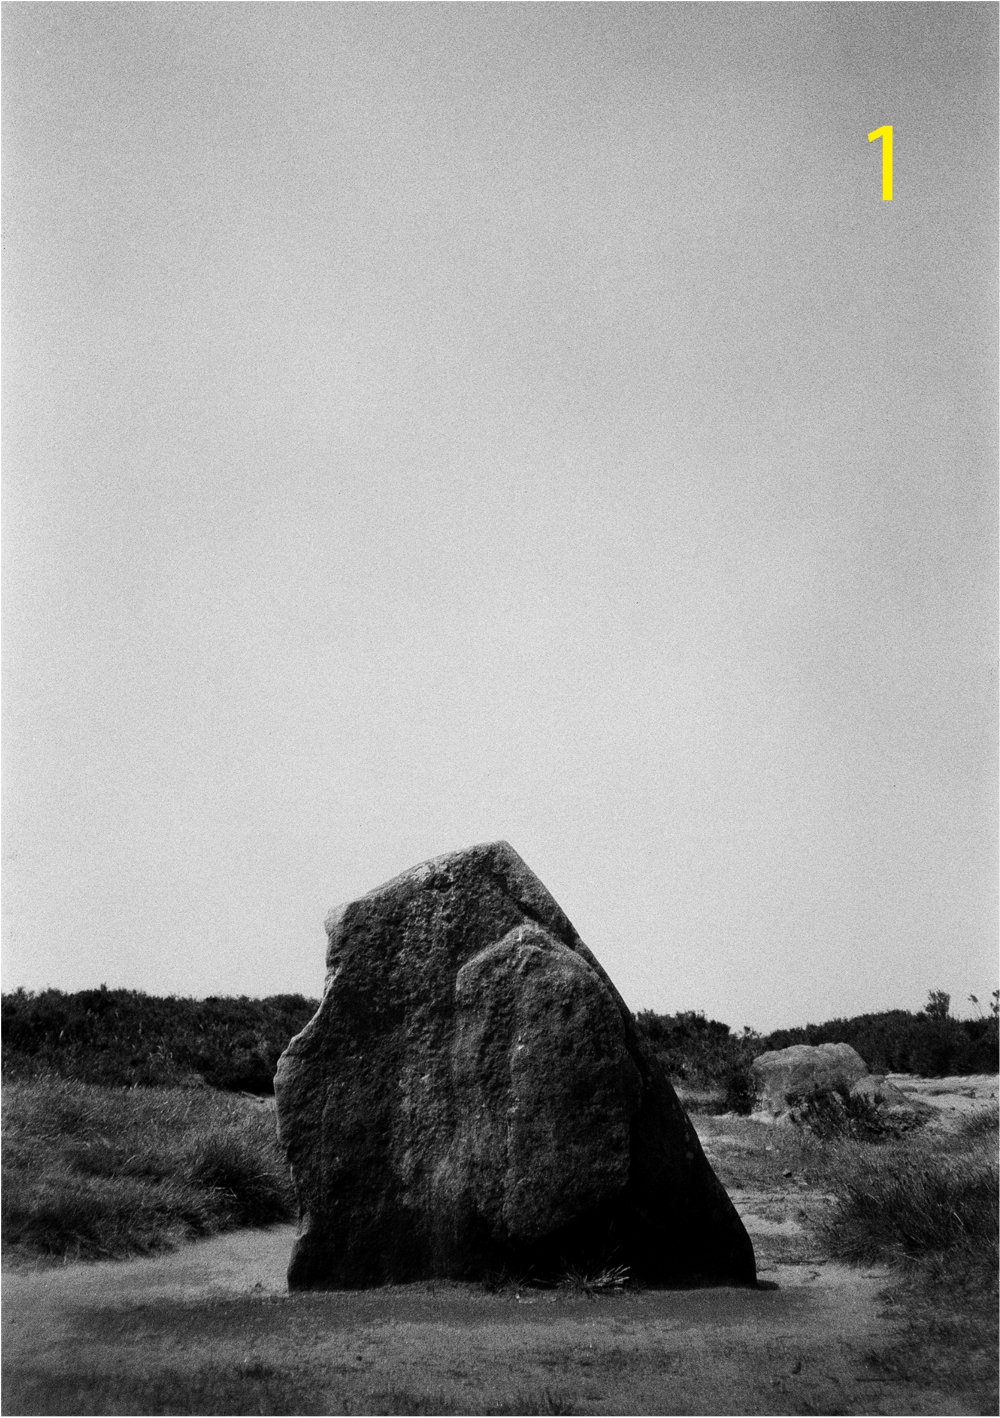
(473, 1094)
(782, 1077)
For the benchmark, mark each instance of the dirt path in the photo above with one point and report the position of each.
(212, 1329)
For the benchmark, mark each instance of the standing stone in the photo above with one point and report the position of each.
(473, 1093)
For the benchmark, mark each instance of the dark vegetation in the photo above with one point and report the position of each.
(836, 1113)
(123, 1038)
(929, 1043)
(703, 1054)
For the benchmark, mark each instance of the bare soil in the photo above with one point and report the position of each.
(212, 1329)
(952, 1098)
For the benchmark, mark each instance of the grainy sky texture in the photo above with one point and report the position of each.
(433, 423)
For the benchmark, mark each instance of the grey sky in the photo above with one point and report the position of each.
(427, 424)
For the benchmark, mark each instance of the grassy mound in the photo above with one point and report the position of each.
(92, 1173)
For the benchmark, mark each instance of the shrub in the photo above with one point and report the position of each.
(738, 1090)
(836, 1112)
(897, 1041)
(124, 1037)
(703, 1053)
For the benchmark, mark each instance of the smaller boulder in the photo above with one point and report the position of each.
(783, 1076)
(877, 1089)
(901, 1112)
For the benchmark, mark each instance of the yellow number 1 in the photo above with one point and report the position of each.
(885, 133)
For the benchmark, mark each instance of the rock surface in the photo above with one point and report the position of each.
(473, 1093)
(877, 1088)
(782, 1076)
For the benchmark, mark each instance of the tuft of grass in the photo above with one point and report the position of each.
(98, 1218)
(608, 1279)
(250, 1186)
(497, 1282)
(602, 1282)
(984, 1122)
(93, 1173)
(908, 1207)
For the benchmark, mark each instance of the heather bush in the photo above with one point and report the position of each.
(836, 1112)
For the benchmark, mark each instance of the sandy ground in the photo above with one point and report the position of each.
(953, 1097)
(798, 1346)
(795, 1348)
(218, 1312)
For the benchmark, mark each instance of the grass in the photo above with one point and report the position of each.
(93, 1173)
(899, 1200)
(224, 1388)
(396, 1401)
(248, 1388)
(900, 1208)
(97, 1171)
(931, 1213)
(606, 1281)
(761, 1155)
(700, 1100)
(836, 1113)
(925, 1204)
(984, 1122)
